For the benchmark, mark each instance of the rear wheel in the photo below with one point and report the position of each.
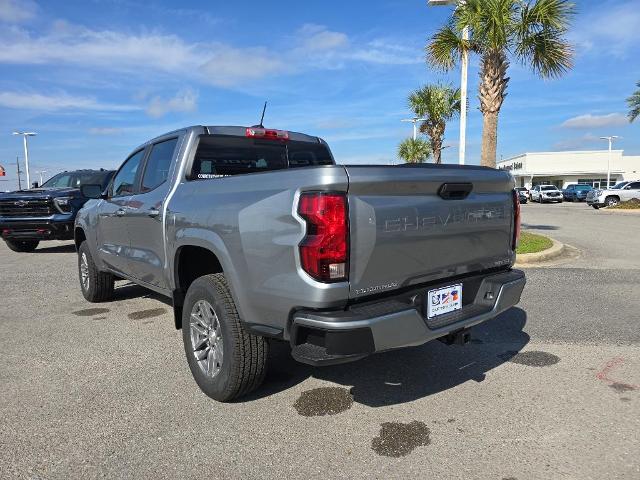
(22, 245)
(225, 360)
(96, 286)
(595, 206)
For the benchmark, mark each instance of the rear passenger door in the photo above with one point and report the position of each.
(145, 220)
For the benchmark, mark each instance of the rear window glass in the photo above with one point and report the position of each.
(221, 156)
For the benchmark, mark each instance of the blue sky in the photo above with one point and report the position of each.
(96, 78)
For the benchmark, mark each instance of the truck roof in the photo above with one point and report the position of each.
(239, 131)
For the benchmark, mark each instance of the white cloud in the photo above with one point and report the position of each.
(576, 143)
(611, 28)
(16, 11)
(183, 101)
(211, 63)
(596, 121)
(60, 101)
(318, 37)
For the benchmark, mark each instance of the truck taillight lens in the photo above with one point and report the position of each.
(324, 251)
(516, 220)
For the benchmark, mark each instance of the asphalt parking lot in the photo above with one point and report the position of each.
(550, 389)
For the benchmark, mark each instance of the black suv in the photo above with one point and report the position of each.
(47, 212)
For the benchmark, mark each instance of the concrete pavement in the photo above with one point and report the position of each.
(550, 389)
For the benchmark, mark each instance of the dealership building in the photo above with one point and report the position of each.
(564, 168)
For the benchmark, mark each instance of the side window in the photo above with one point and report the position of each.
(634, 186)
(124, 181)
(156, 170)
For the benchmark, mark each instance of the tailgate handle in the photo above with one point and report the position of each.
(454, 191)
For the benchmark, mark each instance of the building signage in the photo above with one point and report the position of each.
(513, 166)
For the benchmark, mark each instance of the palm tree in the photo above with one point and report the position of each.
(531, 32)
(634, 104)
(438, 104)
(414, 150)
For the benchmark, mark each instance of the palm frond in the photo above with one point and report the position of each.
(414, 151)
(445, 48)
(634, 104)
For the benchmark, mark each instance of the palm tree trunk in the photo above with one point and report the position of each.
(493, 85)
(436, 148)
(489, 139)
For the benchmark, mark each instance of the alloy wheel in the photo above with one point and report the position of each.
(206, 338)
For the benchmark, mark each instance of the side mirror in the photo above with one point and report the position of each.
(91, 191)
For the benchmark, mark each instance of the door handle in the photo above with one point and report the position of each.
(120, 212)
(152, 212)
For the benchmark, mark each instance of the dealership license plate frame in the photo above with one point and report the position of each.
(452, 304)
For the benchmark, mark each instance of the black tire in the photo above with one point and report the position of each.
(99, 285)
(22, 245)
(244, 357)
(611, 201)
(595, 207)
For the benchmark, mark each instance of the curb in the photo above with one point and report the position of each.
(550, 253)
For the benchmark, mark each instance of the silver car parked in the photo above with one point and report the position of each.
(609, 197)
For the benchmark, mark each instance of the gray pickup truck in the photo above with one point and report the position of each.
(257, 235)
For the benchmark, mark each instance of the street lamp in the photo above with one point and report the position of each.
(463, 81)
(414, 120)
(610, 139)
(26, 152)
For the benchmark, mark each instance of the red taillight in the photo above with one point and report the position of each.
(267, 134)
(324, 251)
(516, 219)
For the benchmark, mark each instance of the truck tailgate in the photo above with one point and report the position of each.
(404, 233)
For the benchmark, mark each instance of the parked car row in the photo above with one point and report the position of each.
(594, 197)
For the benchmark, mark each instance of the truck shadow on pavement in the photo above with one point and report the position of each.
(405, 375)
(68, 248)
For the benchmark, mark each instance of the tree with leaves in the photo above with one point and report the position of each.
(634, 104)
(414, 150)
(437, 104)
(532, 32)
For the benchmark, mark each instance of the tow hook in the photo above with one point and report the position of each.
(460, 337)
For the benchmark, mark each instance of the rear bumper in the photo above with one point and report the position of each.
(336, 337)
(36, 229)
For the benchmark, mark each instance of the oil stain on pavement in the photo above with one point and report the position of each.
(400, 439)
(89, 312)
(152, 312)
(532, 358)
(323, 401)
(622, 387)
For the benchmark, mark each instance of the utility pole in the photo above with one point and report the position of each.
(26, 152)
(19, 172)
(414, 120)
(463, 80)
(610, 138)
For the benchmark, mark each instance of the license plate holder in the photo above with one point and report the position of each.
(443, 300)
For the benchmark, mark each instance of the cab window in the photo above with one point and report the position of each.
(124, 181)
(156, 170)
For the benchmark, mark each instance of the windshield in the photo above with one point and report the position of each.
(583, 187)
(75, 179)
(548, 187)
(618, 186)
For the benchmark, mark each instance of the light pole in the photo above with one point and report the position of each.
(41, 172)
(26, 153)
(610, 138)
(414, 120)
(463, 81)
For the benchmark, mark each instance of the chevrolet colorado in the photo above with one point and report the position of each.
(256, 234)
(47, 213)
